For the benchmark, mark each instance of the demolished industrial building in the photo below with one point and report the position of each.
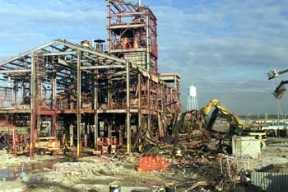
(110, 108)
(109, 94)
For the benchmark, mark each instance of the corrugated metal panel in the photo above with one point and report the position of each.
(274, 182)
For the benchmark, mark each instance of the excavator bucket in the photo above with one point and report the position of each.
(279, 91)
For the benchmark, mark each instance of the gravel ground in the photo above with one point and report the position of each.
(87, 174)
(91, 174)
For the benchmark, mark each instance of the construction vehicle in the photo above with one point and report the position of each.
(280, 89)
(49, 145)
(46, 143)
(236, 126)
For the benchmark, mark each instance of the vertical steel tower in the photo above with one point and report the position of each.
(132, 33)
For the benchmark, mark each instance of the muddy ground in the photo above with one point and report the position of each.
(99, 173)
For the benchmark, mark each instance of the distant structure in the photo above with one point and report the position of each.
(192, 102)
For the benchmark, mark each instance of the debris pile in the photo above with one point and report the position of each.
(197, 164)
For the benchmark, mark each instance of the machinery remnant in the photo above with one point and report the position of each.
(49, 145)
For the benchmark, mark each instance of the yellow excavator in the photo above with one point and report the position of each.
(236, 126)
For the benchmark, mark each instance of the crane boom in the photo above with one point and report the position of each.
(280, 89)
(273, 73)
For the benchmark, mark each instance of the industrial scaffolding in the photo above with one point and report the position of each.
(116, 94)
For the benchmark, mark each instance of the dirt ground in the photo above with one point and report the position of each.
(98, 173)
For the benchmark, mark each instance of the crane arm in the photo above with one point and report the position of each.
(273, 73)
(280, 89)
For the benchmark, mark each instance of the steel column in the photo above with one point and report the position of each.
(32, 105)
(139, 101)
(78, 104)
(54, 107)
(149, 103)
(95, 109)
(15, 91)
(128, 113)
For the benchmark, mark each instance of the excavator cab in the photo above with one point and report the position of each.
(236, 129)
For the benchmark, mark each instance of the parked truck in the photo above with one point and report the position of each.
(49, 145)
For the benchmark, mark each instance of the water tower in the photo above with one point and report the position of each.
(192, 102)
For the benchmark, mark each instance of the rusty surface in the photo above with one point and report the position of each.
(103, 94)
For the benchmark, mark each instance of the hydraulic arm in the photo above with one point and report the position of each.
(280, 89)
(273, 74)
(219, 108)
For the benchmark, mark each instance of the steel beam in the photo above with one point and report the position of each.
(127, 14)
(91, 51)
(15, 71)
(27, 53)
(126, 26)
(102, 67)
(59, 53)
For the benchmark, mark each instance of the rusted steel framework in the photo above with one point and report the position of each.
(132, 33)
(83, 90)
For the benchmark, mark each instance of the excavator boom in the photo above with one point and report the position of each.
(236, 124)
(216, 104)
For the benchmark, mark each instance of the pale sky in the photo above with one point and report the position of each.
(224, 48)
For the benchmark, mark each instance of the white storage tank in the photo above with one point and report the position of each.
(192, 101)
(192, 91)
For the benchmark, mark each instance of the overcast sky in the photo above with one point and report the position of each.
(224, 48)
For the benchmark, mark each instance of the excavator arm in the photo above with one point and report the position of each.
(236, 124)
(215, 104)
